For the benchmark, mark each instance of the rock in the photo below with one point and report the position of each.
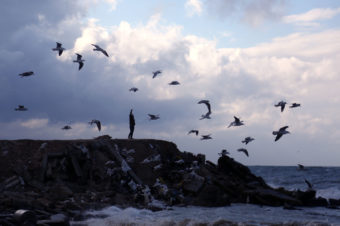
(192, 182)
(211, 195)
(56, 220)
(334, 202)
(25, 217)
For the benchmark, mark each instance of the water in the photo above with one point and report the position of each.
(326, 180)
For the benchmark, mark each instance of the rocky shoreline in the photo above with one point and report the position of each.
(49, 182)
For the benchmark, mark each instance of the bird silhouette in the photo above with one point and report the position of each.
(236, 122)
(280, 132)
(98, 48)
(247, 140)
(59, 48)
(79, 60)
(174, 83)
(26, 74)
(133, 89)
(153, 117)
(244, 151)
(97, 122)
(155, 73)
(193, 131)
(206, 137)
(21, 108)
(281, 104)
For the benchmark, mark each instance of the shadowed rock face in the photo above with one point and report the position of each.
(66, 175)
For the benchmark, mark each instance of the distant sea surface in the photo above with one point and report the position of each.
(326, 180)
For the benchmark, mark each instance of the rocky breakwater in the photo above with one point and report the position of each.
(48, 182)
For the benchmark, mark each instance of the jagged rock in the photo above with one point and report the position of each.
(192, 182)
(334, 202)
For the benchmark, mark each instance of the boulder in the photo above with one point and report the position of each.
(192, 182)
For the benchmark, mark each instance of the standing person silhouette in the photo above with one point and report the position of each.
(132, 124)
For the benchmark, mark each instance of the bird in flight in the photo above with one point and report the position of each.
(244, 151)
(79, 60)
(155, 73)
(280, 132)
(281, 104)
(97, 122)
(207, 103)
(224, 152)
(173, 83)
(301, 167)
(236, 122)
(98, 48)
(21, 108)
(247, 140)
(309, 184)
(193, 131)
(26, 74)
(153, 117)
(133, 89)
(59, 48)
(295, 105)
(67, 127)
(206, 137)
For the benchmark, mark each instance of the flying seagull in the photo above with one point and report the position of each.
(100, 49)
(59, 48)
(26, 74)
(21, 108)
(244, 151)
(236, 122)
(207, 103)
(133, 89)
(206, 137)
(153, 117)
(155, 73)
(193, 131)
(67, 127)
(247, 140)
(280, 132)
(97, 122)
(79, 60)
(224, 152)
(173, 83)
(281, 104)
(295, 105)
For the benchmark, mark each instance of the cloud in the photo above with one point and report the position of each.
(253, 13)
(309, 18)
(194, 7)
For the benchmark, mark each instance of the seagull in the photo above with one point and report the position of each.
(247, 140)
(155, 73)
(174, 83)
(97, 122)
(26, 74)
(67, 127)
(207, 116)
(206, 137)
(100, 49)
(309, 184)
(79, 60)
(224, 152)
(21, 108)
(193, 131)
(244, 151)
(281, 104)
(153, 117)
(206, 102)
(133, 89)
(59, 48)
(280, 132)
(295, 105)
(236, 122)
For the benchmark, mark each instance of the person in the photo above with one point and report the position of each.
(132, 124)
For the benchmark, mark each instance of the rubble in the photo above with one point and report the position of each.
(65, 178)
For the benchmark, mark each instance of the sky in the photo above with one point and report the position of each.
(244, 56)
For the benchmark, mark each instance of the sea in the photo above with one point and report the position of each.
(325, 180)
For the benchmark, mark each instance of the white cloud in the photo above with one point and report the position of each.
(34, 123)
(194, 7)
(308, 18)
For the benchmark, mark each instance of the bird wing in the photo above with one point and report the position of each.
(81, 64)
(58, 45)
(278, 136)
(105, 53)
(60, 52)
(237, 120)
(99, 125)
(208, 106)
(282, 107)
(309, 184)
(283, 128)
(79, 56)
